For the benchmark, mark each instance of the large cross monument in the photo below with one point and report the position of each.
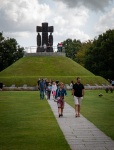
(46, 44)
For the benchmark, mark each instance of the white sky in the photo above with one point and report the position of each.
(75, 19)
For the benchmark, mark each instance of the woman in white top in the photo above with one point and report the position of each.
(54, 88)
(71, 84)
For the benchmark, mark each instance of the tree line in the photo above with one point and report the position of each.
(95, 55)
(10, 51)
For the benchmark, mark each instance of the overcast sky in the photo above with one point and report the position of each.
(75, 19)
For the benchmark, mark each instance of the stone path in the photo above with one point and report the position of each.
(80, 133)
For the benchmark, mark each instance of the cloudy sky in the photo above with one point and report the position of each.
(75, 19)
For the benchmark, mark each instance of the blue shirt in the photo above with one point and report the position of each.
(49, 87)
(60, 93)
(42, 85)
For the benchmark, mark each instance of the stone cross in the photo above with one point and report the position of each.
(46, 44)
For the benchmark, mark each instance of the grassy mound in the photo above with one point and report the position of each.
(28, 70)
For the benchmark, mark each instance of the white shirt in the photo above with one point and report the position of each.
(54, 87)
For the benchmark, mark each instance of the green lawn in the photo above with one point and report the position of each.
(99, 110)
(27, 123)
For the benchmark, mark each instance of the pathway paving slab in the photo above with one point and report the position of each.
(80, 133)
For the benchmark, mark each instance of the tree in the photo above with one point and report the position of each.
(100, 56)
(10, 51)
(81, 54)
(71, 47)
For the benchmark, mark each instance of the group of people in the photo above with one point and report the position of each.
(46, 88)
(58, 92)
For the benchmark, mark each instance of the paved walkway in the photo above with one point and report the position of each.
(80, 133)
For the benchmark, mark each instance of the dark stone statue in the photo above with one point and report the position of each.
(38, 40)
(51, 39)
(47, 43)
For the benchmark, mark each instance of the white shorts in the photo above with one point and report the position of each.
(77, 100)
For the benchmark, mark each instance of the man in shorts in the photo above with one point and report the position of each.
(78, 93)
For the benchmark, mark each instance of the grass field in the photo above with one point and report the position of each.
(99, 110)
(28, 70)
(27, 123)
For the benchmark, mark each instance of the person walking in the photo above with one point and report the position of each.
(54, 88)
(49, 88)
(78, 93)
(42, 89)
(38, 82)
(112, 83)
(71, 84)
(60, 92)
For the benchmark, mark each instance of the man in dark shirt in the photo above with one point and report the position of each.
(78, 93)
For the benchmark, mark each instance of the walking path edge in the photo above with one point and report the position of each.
(80, 133)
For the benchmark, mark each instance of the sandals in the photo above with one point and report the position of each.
(60, 115)
(77, 115)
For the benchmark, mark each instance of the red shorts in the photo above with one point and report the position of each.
(60, 103)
